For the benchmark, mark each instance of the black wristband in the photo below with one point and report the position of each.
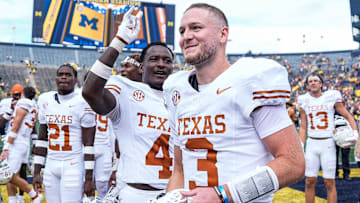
(219, 194)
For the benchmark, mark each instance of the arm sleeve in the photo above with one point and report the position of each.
(269, 86)
(114, 88)
(270, 119)
(88, 119)
(41, 115)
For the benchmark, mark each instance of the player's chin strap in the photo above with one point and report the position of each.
(258, 183)
(173, 196)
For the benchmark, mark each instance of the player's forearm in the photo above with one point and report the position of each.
(176, 181)
(302, 134)
(289, 169)
(40, 149)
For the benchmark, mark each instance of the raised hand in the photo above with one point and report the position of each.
(129, 28)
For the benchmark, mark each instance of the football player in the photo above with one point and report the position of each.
(66, 139)
(137, 112)
(6, 109)
(234, 141)
(18, 143)
(317, 110)
(130, 68)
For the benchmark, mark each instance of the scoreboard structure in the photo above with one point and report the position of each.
(355, 19)
(95, 22)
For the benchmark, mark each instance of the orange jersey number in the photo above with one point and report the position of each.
(33, 119)
(207, 164)
(65, 129)
(101, 123)
(324, 120)
(151, 159)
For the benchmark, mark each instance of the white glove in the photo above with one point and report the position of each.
(128, 30)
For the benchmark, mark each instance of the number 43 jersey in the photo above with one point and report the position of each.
(64, 116)
(320, 112)
(213, 127)
(140, 122)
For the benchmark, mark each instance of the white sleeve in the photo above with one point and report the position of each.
(270, 86)
(270, 119)
(41, 114)
(114, 87)
(88, 119)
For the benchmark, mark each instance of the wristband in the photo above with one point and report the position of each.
(89, 150)
(6, 146)
(39, 160)
(219, 194)
(355, 133)
(223, 193)
(115, 164)
(118, 43)
(101, 70)
(12, 134)
(89, 165)
(256, 184)
(41, 143)
(34, 136)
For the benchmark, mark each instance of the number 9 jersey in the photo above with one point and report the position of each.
(320, 112)
(214, 128)
(64, 116)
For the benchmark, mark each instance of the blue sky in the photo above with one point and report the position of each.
(275, 26)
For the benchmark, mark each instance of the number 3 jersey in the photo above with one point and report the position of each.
(320, 112)
(140, 122)
(213, 127)
(28, 121)
(64, 116)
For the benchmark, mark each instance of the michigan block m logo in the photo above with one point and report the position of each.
(85, 20)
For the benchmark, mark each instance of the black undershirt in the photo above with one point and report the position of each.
(193, 82)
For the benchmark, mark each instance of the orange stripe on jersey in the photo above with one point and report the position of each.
(272, 97)
(272, 91)
(28, 125)
(113, 87)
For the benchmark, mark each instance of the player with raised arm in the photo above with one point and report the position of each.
(66, 138)
(18, 143)
(234, 141)
(317, 109)
(137, 112)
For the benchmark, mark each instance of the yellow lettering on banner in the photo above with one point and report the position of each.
(38, 13)
(50, 20)
(170, 23)
(87, 23)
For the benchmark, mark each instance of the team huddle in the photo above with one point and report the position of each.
(218, 133)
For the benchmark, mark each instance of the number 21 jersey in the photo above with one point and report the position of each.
(64, 116)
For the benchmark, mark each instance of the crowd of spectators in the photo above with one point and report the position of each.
(340, 73)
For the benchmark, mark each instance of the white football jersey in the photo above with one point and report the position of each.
(64, 116)
(213, 127)
(5, 104)
(26, 127)
(103, 130)
(320, 112)
(141, 126)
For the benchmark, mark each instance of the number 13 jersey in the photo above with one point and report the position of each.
(320, 112)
